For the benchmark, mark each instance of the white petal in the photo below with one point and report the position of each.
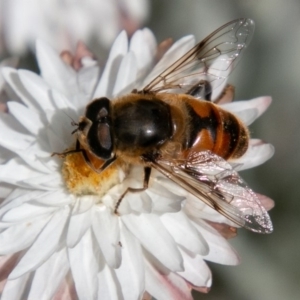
(46, 182)
(266, 202)
(8, 171)
(143, 45)
(247, 116)
(66, 289)
(150, 39)
(49, 275)
(83, 204)
(126, 75)
(21, 236)
(88, 62)
(37, 88)
(164, 285)
(257, 153)
(165, 184)
(28, 118)
(35, 158)
(18, 197)
(5, 190)
(87, 80)
(9, 138)
(78, 226)
(196, 270)
(8, 122)
(9, 62)
(197, 209)
(106, 231)
(61, 102)
(55, 198)
(25, 212)
(220, 68)
(108, 286)
(249, 111)
(117, 52)
(132, 286)
(17, 288)
(152, 234)
(138, 202)
(45, 245)
(220, 250)
(111, 198)
(184, 233)
(177, 50)
(54, 71)
(61, 127)
(7, 263)
(56, 143)
(84, 266)
(11, 76)
(163, 199)
(51, 163)
(5, 155)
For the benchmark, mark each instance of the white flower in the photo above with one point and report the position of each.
(59, 238)
(63, 23)
(5, 92)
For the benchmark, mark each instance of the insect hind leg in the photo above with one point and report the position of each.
(226, 96)
(147, 173)
(201, 90)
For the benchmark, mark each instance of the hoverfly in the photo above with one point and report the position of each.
(175, 126)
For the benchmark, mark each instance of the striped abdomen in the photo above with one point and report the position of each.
(212, 128)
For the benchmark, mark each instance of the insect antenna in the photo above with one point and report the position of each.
(73, 123)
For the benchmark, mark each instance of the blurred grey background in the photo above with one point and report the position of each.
(270, 265)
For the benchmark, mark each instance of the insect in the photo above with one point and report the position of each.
(173, 125)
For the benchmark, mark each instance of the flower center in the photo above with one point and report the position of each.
(81, 179)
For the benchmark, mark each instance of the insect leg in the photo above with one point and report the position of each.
(77, 149)
(106, 164)
(147, 173)
(65, 153)
(201, 90)
(227, 95)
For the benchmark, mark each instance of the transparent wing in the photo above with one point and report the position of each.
(210, 61)
(214, 181)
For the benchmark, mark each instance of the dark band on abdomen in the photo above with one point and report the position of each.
(235, 137)
(198, 123)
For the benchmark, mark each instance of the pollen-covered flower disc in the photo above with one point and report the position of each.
(60, 236)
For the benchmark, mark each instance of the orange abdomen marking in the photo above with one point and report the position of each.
(214, 129)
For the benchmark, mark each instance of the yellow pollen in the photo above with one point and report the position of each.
(81, 179)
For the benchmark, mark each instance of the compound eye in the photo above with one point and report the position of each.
(102, 114)
(104, 136)
(97, 108)
(100, 141)
(99, 137)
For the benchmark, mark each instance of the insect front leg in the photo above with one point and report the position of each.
(86, 158)
(147, 173)
(68, 152)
